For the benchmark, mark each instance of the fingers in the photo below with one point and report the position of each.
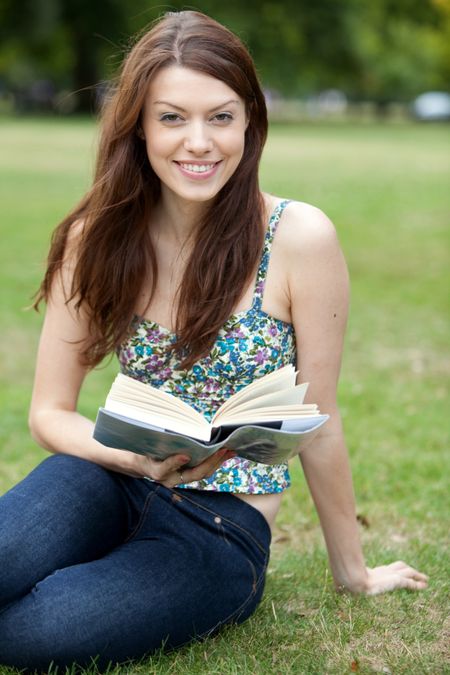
(397, 565)
(407, 571)
(173, 470)
(161, 471)
(209, 466)
(414, 585)
(411, 573)
(397, 575)
(396, 583)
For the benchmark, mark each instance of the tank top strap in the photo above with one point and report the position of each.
(265, 257)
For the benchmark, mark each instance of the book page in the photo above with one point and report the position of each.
(132, 392)
(270, 414)
(134, 399)
(149, 409)
(179, 424)
(283, 378)
(282, 398)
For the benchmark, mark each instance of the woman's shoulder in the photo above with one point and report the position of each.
(309, 257)
(303, 227)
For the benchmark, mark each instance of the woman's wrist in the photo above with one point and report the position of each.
(120, 461)
(352, 580)
(133, 464)
(358, 583)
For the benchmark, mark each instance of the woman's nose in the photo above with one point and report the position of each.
(198, 139)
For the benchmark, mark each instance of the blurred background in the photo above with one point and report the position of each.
(316, 58)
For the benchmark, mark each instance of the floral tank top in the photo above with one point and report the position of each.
(249, 345)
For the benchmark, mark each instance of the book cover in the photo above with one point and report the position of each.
(268, 443)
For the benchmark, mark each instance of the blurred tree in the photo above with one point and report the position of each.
(298, 46)
(382, 51)
(65, 41)
(90, 26)
(398, 46)
(443, 43)
(33, 42)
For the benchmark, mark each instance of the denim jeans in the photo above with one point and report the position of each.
(98, 565)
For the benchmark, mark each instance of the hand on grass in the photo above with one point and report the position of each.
(394, 576)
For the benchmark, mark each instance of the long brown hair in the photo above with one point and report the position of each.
(114, 251)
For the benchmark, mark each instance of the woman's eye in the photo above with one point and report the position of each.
(170, 117)
(223, 117)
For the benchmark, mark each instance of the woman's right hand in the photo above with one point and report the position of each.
(172, 471)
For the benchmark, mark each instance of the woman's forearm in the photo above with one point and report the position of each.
(327, 471)
(68, 432)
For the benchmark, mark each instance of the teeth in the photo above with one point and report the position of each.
(197, 168)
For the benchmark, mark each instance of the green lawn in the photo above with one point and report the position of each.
(386, 189)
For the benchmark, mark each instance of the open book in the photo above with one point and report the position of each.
(266, 421)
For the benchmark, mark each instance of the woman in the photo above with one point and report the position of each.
(200, 283)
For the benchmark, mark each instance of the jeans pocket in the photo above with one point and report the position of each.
(142, 518)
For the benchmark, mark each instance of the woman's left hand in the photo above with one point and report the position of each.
(393, 576)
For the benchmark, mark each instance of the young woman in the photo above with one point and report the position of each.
(200, 283)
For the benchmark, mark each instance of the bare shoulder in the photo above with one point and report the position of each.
(308, 245)
(305, 229)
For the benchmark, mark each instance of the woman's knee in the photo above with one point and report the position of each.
(66, 511)
(67, 475)
(61, 464)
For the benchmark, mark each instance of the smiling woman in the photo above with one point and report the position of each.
(194, 129)
(201, 284)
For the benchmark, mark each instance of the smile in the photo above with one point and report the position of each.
(200, 170)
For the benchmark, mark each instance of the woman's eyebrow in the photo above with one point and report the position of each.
(177, 107)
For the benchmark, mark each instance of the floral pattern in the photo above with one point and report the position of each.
(249, 345)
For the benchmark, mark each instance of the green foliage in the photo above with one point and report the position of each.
(399, 49)
(375, 50)
(386, 189)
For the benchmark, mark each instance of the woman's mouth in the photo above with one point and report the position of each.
(198, 170)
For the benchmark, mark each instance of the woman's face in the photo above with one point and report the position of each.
(194, 128)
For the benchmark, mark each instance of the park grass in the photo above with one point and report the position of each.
(386, 189)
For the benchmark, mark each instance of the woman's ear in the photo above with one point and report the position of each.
(140, 132)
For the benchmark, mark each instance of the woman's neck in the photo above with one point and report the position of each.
(177, 218)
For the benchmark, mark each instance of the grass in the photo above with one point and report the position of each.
(386, 189)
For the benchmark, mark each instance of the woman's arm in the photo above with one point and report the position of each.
(54, 421)
(319, 292)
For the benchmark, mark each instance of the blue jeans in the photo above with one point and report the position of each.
(98, 565)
